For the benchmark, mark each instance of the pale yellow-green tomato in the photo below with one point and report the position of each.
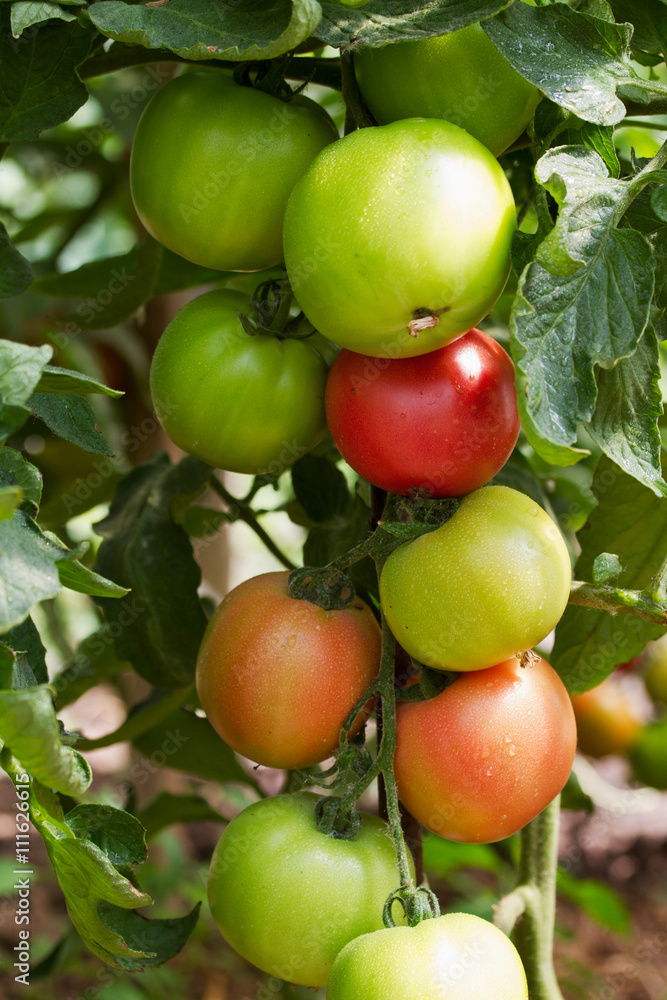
(492, 582)
(454, 957)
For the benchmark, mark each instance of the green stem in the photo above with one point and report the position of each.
(246, 514)
(323, 71)
(646, 604)
(532, 905)
(387, 751)
(356, 115)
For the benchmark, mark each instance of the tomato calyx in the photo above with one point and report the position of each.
(425, 319)
(330, 589)
(335, 819)
(418, 902)
(271, 313)
(431, 683)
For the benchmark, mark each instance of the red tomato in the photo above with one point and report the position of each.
(483, 758)
(277, 677)
(439, 425)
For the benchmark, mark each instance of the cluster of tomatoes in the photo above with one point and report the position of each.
(396, 243)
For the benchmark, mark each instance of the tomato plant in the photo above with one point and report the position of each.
(397, 238)
(479, 761)
(287, 897)
(213, 165)
(259, 400)
(439, 425)
(267, 658)
(461, 77)
(607, 721)
(492, 582)
(163, 153)
(434, 959)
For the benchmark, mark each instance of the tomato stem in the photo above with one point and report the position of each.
(356, 113)
(243, 512)
(531, 907)
(648, 604)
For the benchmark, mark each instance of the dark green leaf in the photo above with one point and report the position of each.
(14, 469)
(25, 638)
(167, 808)
(198, 29)
(95, 660)
(117, 833)
(153, 942)
(584, 302)
(24, 14)
(649, 18)
(630, 522)
(118, 287)
(145, 551)
(61, 380)
(328, 542)
(575, 59)
(177, 273)
(71, 417)
(28, 726)
(15, 271)
(39, 86)
(625, 422)
(382, 21)
(28, 570)
(189, 743)
(321, 489)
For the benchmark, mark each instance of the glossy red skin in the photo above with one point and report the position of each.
(479, 761)
(438, 425)
(277, 677)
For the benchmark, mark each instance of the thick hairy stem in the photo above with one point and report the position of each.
(640, 603)
(533, 903)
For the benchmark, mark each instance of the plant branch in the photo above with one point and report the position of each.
(534, 931)
(243, 512)
(323, 71)
(646, 604)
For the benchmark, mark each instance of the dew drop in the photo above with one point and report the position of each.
(490, 770)
(512, 750)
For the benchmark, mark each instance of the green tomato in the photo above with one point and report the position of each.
(461, 77)
(247, 404)
(213, 165)
(287, 897)
(490, 583)
(648, 755)
(454, 957)
(395, 228)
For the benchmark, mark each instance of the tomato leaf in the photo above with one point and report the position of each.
(28, 570)
(189, 743)
(39, 87)
(25, 14)
(382, 21)
(28, 726)
(15, 271)
(162, 626)
(30, 670)
(71, 417)
(117, 833)
(321, 489)
(167, 808)
(582, 303)
(61, 380)
(199, 29)
(575, 59)
(650, 22)
(16, 471)
(630, 522)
